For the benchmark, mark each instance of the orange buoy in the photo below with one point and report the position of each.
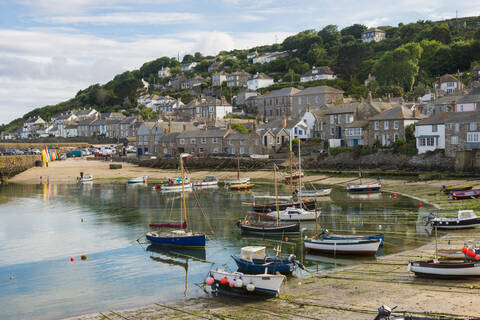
(419, 205)
(84, 256)
(72, 259)
(286, 239)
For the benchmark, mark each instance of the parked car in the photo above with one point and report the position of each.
(131, 149)
(74, 153)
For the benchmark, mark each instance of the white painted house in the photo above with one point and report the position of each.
(164, 72)
(320, 73)
(188, 66)
(469, 102)
(373, 34)
(430, 132)
(260, 80)
(447, 83)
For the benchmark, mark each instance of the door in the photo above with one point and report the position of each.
(339, 132)
(265, 141)
(355, 142)
(139, 152)
(283, 140)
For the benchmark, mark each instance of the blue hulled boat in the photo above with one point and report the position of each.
(253, 260)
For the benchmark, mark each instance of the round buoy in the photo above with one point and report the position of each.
(307, 201)
(471, 253)
(477, 257)
(395, 196)
(209, 281)
(231, 283)
(238, 283)
(419, 205)
(84, 256)
(115, 187)
(286, 239)
(464, 250)
(223, 281)
(72, 259)
(250, 287)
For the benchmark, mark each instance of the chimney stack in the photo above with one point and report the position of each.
(184, 127)
(416, 112)
(224, 100)
(284, 120)
(169, 125)
(370, 98)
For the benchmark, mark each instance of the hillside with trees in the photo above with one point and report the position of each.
(405, 64)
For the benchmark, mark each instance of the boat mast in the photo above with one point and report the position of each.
(299, 175)
(183, 190)
(276, 193)
(238, 169)
(291, 159)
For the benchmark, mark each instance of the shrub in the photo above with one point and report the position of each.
(240, 128)
(337, 150)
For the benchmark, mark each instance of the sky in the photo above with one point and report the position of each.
(51, 49)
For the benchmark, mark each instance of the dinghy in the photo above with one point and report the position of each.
(84, 178)
(364, 187)
(314, 193)
(465, 219)
(174, 187)
(222, 281)
(463, 195)
(286, 203)
(449, 190)
(348, 237)
(294, 214)
(445, 269)
(253, 260)
(353, 247)
(208, 181)
(142, 179)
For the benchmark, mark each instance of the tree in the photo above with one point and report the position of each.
(148, 114)
(102, 96)
(350, 57)
(354, 30)
(188, 58)
(317, 56)
(329, 34)
(441, 33)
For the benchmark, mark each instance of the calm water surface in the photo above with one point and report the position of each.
(42, 226)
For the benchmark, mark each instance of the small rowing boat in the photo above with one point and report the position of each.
(445, 269)
(242, 186)
(351, 247)
(142, 179)
(84, 178)
(462, 195)
(208, 181)
(314, 193)
(253, 260)
(449, 190)
(294, 214)
(364, 187)
(173, 186)
(326, 236)
(465, 219)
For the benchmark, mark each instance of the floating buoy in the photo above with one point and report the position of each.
(250, 287)
(419, 205)
(223, 281)
(477, 257)
(471, 253)
(84, 256)
(464, 250)
(238, 283)
(115, 187)
(307, 201)
(286, 239)
(209, 281)
(72, 259)
(231, 283)
(395, 196)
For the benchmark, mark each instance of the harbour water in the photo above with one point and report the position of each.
(43, 226)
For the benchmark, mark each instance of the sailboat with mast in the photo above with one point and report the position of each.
(239, 184)
(269, 228)
(180, 236)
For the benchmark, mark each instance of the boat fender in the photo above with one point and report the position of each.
(238, 283)
(464, 250)
(231, 283)
(292, 258)
(223, 281)
(209, 281)
(246, 221)
(409, 267)
(250, 287)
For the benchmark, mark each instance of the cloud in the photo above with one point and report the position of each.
(126, 18)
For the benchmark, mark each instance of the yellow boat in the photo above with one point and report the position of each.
(242, 186)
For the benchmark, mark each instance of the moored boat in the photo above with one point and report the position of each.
(174, 186)
(465, 219)
(462, 195)
(84, 178)
(242, 186)
(368, 187)
(208, 181)
(456, 189)
(294, 214)
(353, 247)
(348, 237)
(253, 260)
(142, 179)
(314, 193)
(268, 207)
(246, 284)
(445, 269)
(268, 228)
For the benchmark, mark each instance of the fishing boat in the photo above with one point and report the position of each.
(346, 246)
(253, 260)
(368, 187)
(449, 190)
(208, 181)
(326, 236)
(286, 203)
(445, 269)
(178, 180)
(294, 178)
(84, 178)
(179, 237)
(269, 228)
(174, 186)
(465, 219)
(294, 214)
(314, 193)
(462, 195)
(142, 179)
(222, 281)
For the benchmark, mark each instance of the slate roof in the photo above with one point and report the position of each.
(464, 117)
(319, 70)
(447, 78)
(278, 124)
(472, 97)
(397, 113)
(282, 92)
(343, 108)
(374, 29)
(84, 112)
(169, 137)
(358, 124)
(213, 133)
(318, 90)
(437, 118)
(448, 99)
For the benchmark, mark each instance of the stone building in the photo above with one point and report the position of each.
(373, 34)
(200, 142)
(462, 132)
(272, 105)
(316, 98)
(242, 144)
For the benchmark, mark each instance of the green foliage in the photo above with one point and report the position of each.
(148, 114)
(337, 150)
(238, 116)
(409, 146)
(240, 128)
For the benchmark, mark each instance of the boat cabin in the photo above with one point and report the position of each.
(253, 252)
(466, 214)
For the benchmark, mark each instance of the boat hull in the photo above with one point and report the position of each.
(457, 189)
(364, 187)
(269, 230)
(174, 187)
(351, 247)
(205, 183)
(444, 269)
(258, 266)
(264, 284)
(184, 241)
(240, 186)
(456, 224)
(289, 216)
(380, 237)
(314, 193)
(463, 195)
(264, 208)
(138, 180)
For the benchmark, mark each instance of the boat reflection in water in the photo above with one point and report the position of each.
(364, 196)
(176, 257)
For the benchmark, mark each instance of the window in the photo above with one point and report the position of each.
(211, 109)
(299, 100)
(193, 141)
(377, 125)
(242, 150)
(457, 127)
(230, 142)
(233, 150)
(473, 126)
(348, 118)
(200, 150)
(278, 140)
(377, 137)
(165, 151)
(473, 137)
(182, 141)
(214, 140)
(332, 132)
(241, 142)
(215, 150)
(395, 137)
(454, 140)
(316, 99)
(385, 125)
(300, 132)
(272, 141)
(332, 119)
(395, 125)
(434, 128)
(204, 140)
(339, 119)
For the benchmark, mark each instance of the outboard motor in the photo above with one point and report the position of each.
(384, 313)
(292, 258)
(429, 218)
